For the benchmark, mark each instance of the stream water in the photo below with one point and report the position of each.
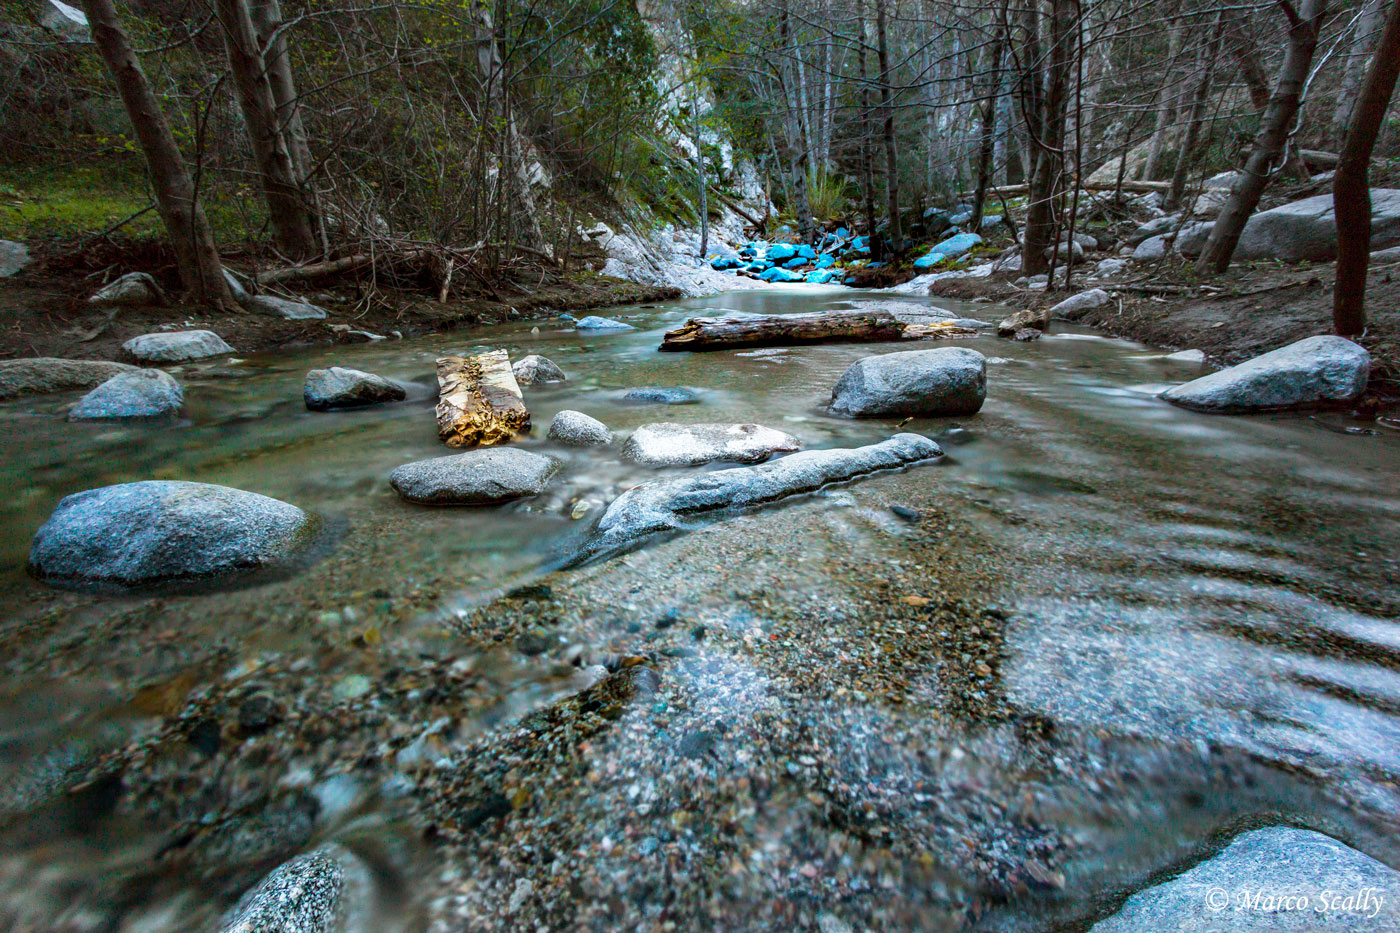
(1191, 625)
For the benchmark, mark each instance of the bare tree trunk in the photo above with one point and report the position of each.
(195, 251)
(867, 155)
(895, 234)
(989, 129)
(700, 175)
(1186, 157)
(514, 171)
(796, 138)
(1270, 145)
(1246, 53)
(267, 18)
(287, 207)
(1166, 104)
(1048, 137)
(1363, 39)
(1351, 187)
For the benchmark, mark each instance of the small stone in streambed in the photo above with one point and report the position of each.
(669, 618)
(906, 513)
(578, 430)
(536, 370)
(477, 477)
(660, 395)
(338, 387)
(142, 395)
(1026, 335)
(534, 643)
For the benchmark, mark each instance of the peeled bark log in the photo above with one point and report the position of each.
(701, 333)
(479, 402)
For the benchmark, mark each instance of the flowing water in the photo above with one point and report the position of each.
(1182, 625)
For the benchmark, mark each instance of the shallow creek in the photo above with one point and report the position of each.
(1117, 634)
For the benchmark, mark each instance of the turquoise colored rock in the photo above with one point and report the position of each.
(822, 276)
(782, 276)
(955, 246)
(780, 252)
(929, 261)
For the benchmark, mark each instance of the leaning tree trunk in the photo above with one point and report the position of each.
(1166, 104)
(287, 207)
(987, 143)
(267, 19)
(1270, 146)
(1187, 157)
(894, 235)
(195, 251)
(1351, 187)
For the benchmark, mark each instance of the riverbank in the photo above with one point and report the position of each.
(45, 312)
(1248, 311)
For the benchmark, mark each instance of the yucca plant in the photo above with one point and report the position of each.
(827, 195)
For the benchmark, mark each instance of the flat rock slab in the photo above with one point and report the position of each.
(155, 533)
(667, 504)
(1313, 371)
(43, 374)
(176, 346)
(1260, 882)
(660, 395)
(593, 322)
(13, 257)
(943, 381)
(285, 308)
(337, 387)
(477, 477)
(579, 430)
(536, 370)
(142, 395)
(669, 444)
(327, 889)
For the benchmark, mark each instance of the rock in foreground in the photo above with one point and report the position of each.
(327, 890)
(943, 381)
(477, 477)
(1242, 889)
(153, 533)
(1314, 371)
(144, 394)
(42, 374)
(536, 370)
(669, 444)
(579, 430)
(337, 387)
(666, 504)
(176, 347)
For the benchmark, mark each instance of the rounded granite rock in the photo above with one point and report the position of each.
(142, 395)
(176, 346)
(337, 387)
(579, 430)
(477, 477)
(942, 381)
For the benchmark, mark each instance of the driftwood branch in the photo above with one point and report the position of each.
(701, 334)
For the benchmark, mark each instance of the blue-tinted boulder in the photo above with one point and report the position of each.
(794, 262)
(780, 252)
(955, 246)
(928, 261)
(806, 252)
(782, 276)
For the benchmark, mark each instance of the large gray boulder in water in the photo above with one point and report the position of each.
(477, 477)
(1278, 879)
(943, 381)
(153, 533)
(327, 890)
(669, 444)
(337, 387)
(667, 504)
(38, 375)
(176, 346)
(143, 395)
(1314, 371)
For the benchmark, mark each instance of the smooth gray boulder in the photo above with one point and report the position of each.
(1278, 879)
(1155, 227)
(1192, 238)
(158, 532)
(942, 381)
(327, 890)
(1076, 306)
(236, 289)
(578, 430)
(660, 395)
(1385, 255)
(337, 387)
(536, 370)
(13, 257)
(176, 346)
(1151, 249)
(39, 375)
(477, 477)
(668, 504)
(593, 322)
(1186, 356)
(670, 444)
(142, 395)
(1110, 266)
(285, 308)
(134, 288)
(1306, 230)
(1314, 371)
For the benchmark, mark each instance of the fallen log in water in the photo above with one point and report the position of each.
(705, 333)
(479, 401)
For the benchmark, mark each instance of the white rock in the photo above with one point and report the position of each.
(578, 430)
(536, 370)
(670, 444)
